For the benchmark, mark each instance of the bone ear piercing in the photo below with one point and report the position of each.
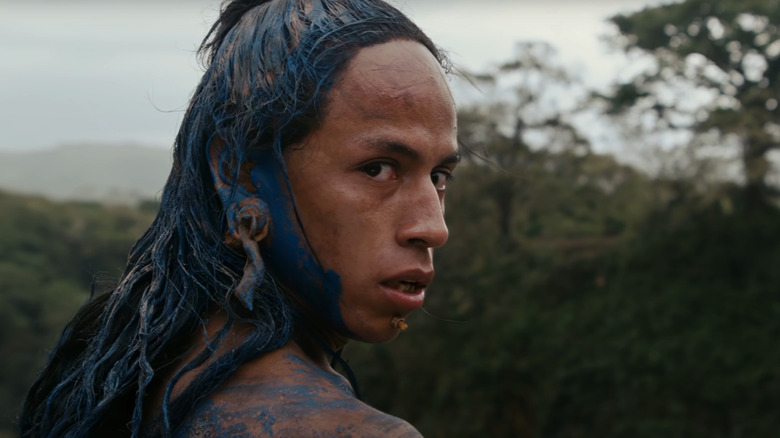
(252, 228)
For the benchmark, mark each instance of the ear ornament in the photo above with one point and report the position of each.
(251, 225)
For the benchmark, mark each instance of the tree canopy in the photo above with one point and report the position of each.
(728, 51)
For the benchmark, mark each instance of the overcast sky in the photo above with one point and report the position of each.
(117, 72)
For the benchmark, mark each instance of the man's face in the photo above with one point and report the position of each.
(369, 183)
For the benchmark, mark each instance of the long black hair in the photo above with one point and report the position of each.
(269, 67)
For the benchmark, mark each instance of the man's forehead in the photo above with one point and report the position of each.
(393, 68)
(383, 78)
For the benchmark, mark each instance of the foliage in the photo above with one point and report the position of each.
(716, 69)
(51, 256)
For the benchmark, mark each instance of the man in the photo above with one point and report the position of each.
(306, 196)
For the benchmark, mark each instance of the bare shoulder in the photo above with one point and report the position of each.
(378, 424)
(225, 420)
(300, 401)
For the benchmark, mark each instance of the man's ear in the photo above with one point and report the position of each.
(246, 213)
(240, 199)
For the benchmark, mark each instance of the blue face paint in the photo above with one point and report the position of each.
(284, 250)
(287, 252)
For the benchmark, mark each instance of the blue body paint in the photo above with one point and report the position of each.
(211, 423)
(267, 420)
(313, 403)
(287, 252)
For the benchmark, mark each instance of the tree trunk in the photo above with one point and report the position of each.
(756, 169)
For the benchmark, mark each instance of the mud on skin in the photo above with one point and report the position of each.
(291, 409)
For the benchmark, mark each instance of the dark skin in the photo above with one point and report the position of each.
(289, 392)
(316, 404)
(369, 186)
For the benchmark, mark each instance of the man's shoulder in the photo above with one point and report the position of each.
(289, 415)
(301, 401)
(379, 424)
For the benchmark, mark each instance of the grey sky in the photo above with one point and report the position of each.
(122, 71)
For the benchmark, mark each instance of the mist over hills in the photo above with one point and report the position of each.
(122, 174)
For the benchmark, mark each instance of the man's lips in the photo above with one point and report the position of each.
(411, 281)
(407, 287)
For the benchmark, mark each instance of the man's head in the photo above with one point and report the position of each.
(369, 183)
(285, 78)
(322, 130)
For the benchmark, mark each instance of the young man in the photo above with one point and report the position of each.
(305, 199)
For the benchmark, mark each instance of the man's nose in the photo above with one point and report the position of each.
(422, 222)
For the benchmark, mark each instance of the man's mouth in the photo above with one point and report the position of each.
(407, 287)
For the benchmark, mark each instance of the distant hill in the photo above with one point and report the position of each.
(106, 174)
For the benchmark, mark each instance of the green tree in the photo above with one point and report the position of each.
(716, 70)
(52, 255)
(525, 120)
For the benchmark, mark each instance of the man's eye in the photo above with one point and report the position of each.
(382, 171)
(440, 179)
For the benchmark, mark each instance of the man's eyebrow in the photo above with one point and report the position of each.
(395, 147)
(451, 159)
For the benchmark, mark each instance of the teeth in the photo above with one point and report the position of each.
(407, 287)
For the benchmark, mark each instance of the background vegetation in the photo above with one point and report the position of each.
(577, 296)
